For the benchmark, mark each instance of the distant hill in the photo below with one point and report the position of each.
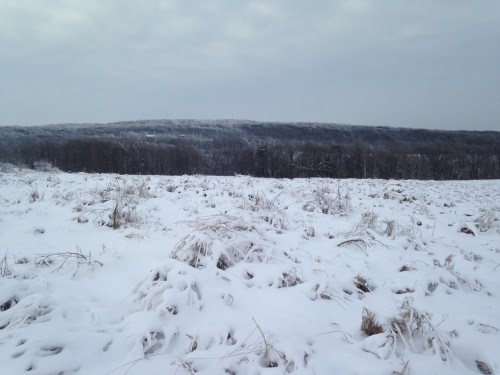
(266, 149)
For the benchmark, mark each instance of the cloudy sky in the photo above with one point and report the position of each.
(426, 63)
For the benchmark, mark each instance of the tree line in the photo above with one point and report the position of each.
(268, 158)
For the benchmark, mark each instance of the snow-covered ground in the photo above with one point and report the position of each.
(107, 274)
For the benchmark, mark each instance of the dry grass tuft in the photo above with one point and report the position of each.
(362, 284)
(369, 325)
(358, 242)
(484, 368)
(4, 267)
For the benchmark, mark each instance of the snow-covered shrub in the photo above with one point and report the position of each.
(369, 219)
(388, 227)
(142, 188)
(219, 241)
(408, 330)
(114, 205)
(308, 232)
(194, 249)
(456, 280)
(260, 201)
(240, 250)
(268, 209)
(35, 195)
(123, 212)
(8, 168)
(168, 289)
(42, 166)
(329, 201)
(486, 221)
(276, 219)
(171, 188)
(63, 197)
(153, 342)
(415, 331)
(24, 311)
(289, 279)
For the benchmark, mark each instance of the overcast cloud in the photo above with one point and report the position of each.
(426, 64)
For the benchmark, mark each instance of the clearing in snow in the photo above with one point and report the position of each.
(109, 274)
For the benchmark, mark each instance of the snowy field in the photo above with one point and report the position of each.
(107, 274)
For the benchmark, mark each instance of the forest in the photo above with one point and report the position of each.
(279, 150)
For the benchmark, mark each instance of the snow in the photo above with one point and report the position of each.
(108, 274)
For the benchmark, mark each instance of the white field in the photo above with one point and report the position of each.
(239, 275)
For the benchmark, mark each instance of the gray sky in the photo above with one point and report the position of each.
(425, 63)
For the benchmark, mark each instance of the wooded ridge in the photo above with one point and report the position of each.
(261, 149)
